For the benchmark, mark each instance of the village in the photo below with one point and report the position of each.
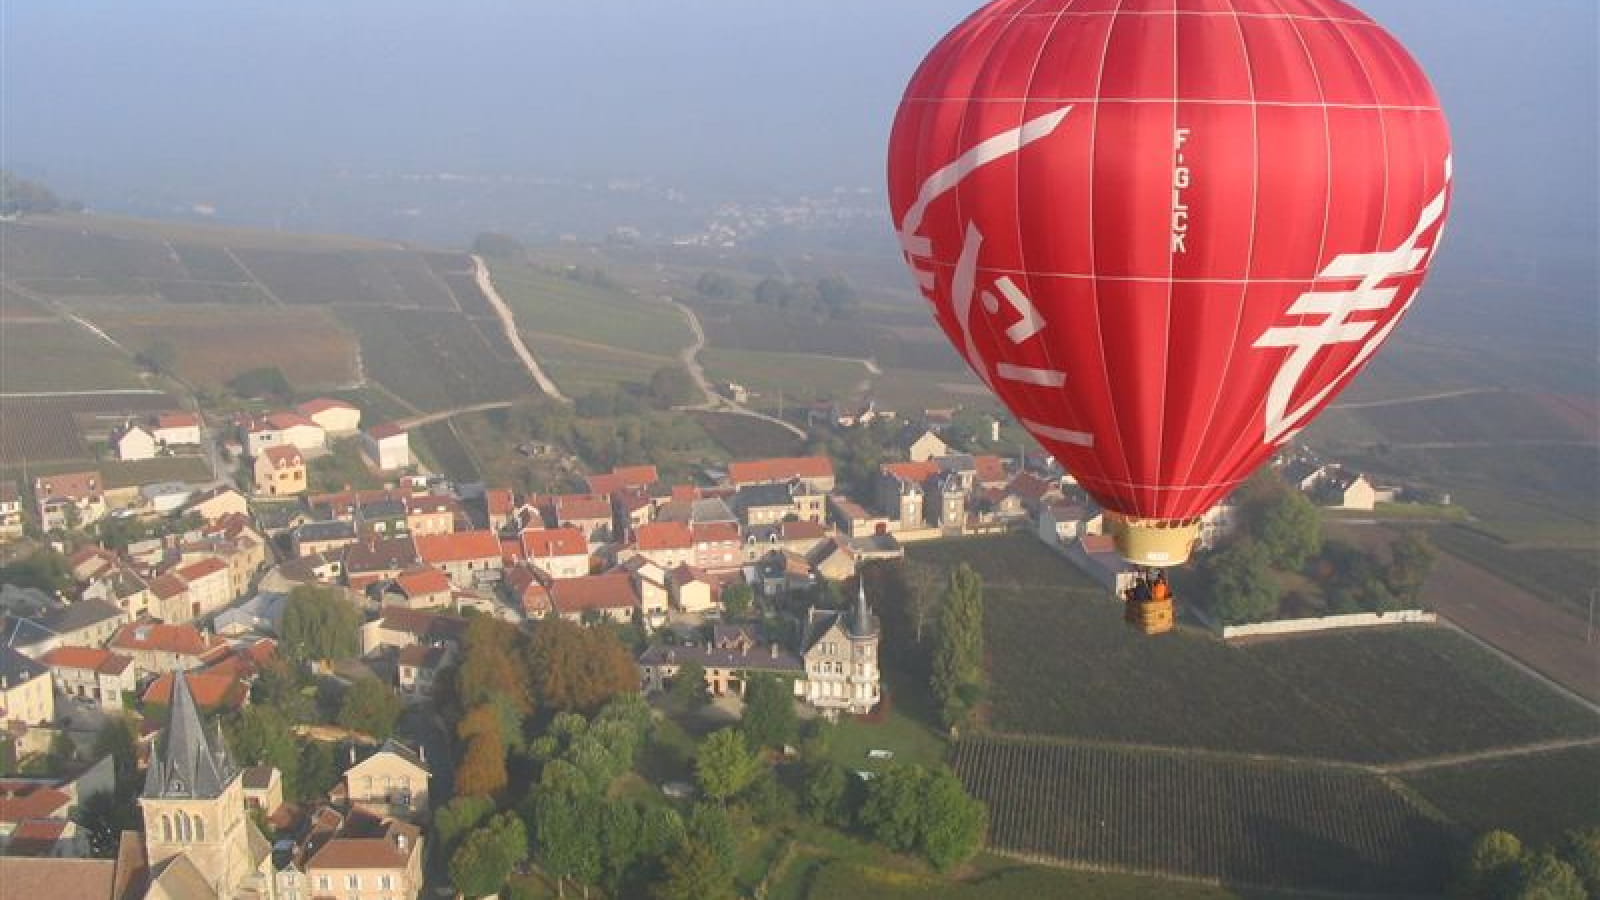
(738, 575)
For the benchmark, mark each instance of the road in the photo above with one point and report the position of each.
(1419, 398)
(480, 271)
(715, 402)
(443, 414)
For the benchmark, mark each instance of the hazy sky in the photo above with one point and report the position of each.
(98, 93)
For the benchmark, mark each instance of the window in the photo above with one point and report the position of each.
(324, 883)
(166, 828)
(353, 882)
(386, 882)
(199, 829)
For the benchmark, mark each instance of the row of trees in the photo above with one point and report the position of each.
(831, 297)
(1500, 867)
(958, 678)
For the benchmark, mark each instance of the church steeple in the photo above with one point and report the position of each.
(862, 623)
(188, 762)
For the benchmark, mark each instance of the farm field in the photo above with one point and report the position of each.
(190, 469)
(436, 360)
(47, 430)
(61, 356)
(443, 451)
(747, 438)
(802, 378)
(1181, 814)
(549, 303)
(1561, 575)
(396, 278)
(1531, 796)
(817, 877)
(580, 366)
(213, 344)
(1062, 663)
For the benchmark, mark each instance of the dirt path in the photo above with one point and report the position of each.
(715, 402)
(1445, 762)
(480, 271)
(443, 414)
(1419, 398)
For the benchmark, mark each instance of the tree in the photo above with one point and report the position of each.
(159, 357)
(711, 825)
(1239, 583)
(266, 383)
(483, 862)
(573, 668)
(20, 197)
(456, 819)
(318, 771)
(823, 793)
(892, 812)
(490, 666)
(1290, 530)
(724, 765)
(1544, 876)
(769, 718)
(261, 736)
(736, 601)
(1491, 866)
(118, 740)
(958, 656)
(660, 832)
(371, 708)
(104, 817)
(45, 570)
(565, 815)
(482, 770)
(319, 624)
(1411, 558)
(952, 823)
(715, 286)
(694, 873)
(495, 244)
(673, 386)
(1581, 849)
(689, 685)
(620, 826)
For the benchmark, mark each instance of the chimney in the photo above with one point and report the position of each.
(400, 842)
(773, 647)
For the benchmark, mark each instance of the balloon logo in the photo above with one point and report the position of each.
(1167, 233)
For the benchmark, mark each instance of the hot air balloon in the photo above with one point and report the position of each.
(1166, 233)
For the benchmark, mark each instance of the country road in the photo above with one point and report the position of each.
(480, 271)
(1419, 398)
(443, 414)
(715, 402)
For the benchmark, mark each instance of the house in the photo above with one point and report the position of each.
(417, 668)
(284, 429)
(622, 478)
(425, 588)
(321, 537)
(855, 520)
(261, 614)
(387, 447)
(263, 789)
(398, 628)
(832, 559)
(815, 471)
(667, 544)
(335, 417)
(176, 429)
(384, 517)
(693, 591)
(11, 521)
(763, 504)
(589, 513)
(499, 505)
(124, 589)
(841, 658)
(214, 692)
(209, 585)
(729, 659)
(527, 589)
(902, 493)
(470, 558)
(651, 584)
(157, 648)
(923, 445)
(133, 442)
(1036, 493)
(92, 675)
(69, 500)
(162, 498)
(280, 472)
(1096, 556)
(218, 503)
(377, 560)
(86, 623)
(609, 596)
(433, 514)
(1064, 523)
(368, 860)
(1344, 489)
(391, 782)
(26, 694)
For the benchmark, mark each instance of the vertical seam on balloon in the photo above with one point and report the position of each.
(1250, 247)
(1172, 269)
(1094, 267)
(1230, 460)
(1022, 117)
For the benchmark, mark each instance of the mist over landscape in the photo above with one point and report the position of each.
(499, 448)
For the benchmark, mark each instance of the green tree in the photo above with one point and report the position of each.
(952, 823)
(318, 771)
(266, 383)
(715, 286)
(958, 655)
(566, 824)
(497, 245)
(824, 791)
(1544, 876)
(1581, 849)
(1239, 583)
(159, 357)
(1491, 867)
(724, 765)
(673, 386)
(620, 827)
(769, 718)
(370, 707)
(660, 832)
(483, 862)
(103, 818)
(456, 819)
(689, 685)
(892, 811)
(736, 601)
(1290, 530)
(694, 873)
(21, 197)
(319, 624)
(1411, 558)
(44, 570)
(119, 740)
(710, 825)
(261, 736)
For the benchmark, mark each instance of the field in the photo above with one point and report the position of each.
(342, 468)
(190, 469)
(1238, 821)
(1561, 575)
(443, 451)
(548, 303)
(1062, 663)
(817, 877)
(747, 438)
(60, 356)
(36, 430)
(580, 366)
(213, 344)
(1531, 796)
(800, 378)
(436, 360)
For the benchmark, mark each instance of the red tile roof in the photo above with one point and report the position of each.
(166, 587)
(500, 502)
(103, 661)
(1099, 543)
(624, 477)
(322, 404)
(423, 582)
(177, 420)
(712, 532)
(991, 469)
(1032, 487)
(284, 456)
(421, 656)
(761, 471)
(283, 421)
(420, 504)
(385, 431)
(664, 536)
(20, 802)
(210, 689)
(912, 471)
(543, 543)
(593, 592)
(72, 485)
(184, 639)
(458, 547)
(802, 531)
(578, 507)
(197, 570)
(36, 838)
(368, 852)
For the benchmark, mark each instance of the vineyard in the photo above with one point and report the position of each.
(1537, 797)
(213, 344)
(35, 430)
(1186, 815)
(437, 360)
(747, 438)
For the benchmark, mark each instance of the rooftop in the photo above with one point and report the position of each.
(758, 471)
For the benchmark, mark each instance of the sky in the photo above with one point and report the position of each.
(107, 98)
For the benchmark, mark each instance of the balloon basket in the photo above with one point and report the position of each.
(1153, 543)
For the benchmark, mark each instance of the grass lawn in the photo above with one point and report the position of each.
(1402, 512)
(342, 468)
(909, 739)
(577, 367)
(191, 469)
(1536, 798)
(552, 304)
(60, 356)
(1063, 663)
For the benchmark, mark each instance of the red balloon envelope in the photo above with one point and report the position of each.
(1167, 233)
